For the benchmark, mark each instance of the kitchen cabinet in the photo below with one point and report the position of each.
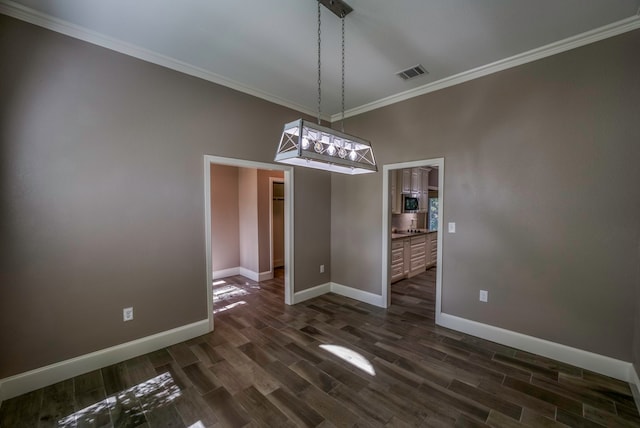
(416, 181)
(412, 255)
(424, 190)
(406, 180)
(407, 255)
(418, 255)
(397, 259)
(431, 249)
(393, 184)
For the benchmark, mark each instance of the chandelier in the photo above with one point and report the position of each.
(304, 143)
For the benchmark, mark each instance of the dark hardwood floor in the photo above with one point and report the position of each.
(330, 361)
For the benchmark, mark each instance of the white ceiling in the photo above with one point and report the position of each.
(268, 48)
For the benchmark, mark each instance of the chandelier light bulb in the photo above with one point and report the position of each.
(353, 155)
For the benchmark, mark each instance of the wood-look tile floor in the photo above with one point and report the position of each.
(329, 361)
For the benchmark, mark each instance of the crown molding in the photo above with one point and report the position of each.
(32, 16)
(27, 14)
(614, 29)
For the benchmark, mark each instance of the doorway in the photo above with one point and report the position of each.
(286, 172)
(436, 165)
(276, 222)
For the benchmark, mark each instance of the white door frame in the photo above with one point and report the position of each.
(386, 226)
(288, 222)
(271, 181)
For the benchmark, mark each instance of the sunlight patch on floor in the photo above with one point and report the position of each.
(352, 357)
(227, 292)
(151, 394)
(229, 306)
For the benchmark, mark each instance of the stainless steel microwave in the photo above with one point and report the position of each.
(410, 204)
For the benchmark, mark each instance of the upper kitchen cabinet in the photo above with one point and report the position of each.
(416, 181)
(424, 189)
(394, 185)
(413, 181)
(406, 180)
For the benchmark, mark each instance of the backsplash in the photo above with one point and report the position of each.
(403, 221)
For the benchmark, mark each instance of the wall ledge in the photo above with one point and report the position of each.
(39, 378)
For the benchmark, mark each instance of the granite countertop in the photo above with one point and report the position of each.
(401, 235)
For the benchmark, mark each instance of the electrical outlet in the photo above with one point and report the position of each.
(321, 268)
(452, 228)
(484, 296)
(127, 314)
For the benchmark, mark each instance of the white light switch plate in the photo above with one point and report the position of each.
(127, 314)
(484, 295)
(452, 228)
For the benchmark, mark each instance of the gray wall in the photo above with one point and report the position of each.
(101, 194)
(541, 177)
(225, 243)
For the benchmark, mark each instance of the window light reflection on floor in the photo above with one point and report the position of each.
(153, 393)
(227, 292)
(229, 306)
(351, 357)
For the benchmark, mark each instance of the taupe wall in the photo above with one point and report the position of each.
(541, 177)
(248, 220)
(264, 226)
(312, 246)
(101, 194)
(225, 243)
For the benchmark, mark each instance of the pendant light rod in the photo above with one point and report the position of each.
(342, 120)
(310, 145)
(319, 68)
(338, 7)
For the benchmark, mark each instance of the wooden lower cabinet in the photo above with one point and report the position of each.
(397, 259)
(418, 255)
(432, 249)
(412, 255)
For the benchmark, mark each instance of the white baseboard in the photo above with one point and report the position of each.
(47, 375)
(312, 292)
(354, 293)
(587, 360)
(635, 385)
(254, 276)
(343, 290)
(263, 276)
(223, 273)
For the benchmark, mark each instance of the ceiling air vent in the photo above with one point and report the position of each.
(410, 73)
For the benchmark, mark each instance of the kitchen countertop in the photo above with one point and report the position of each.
(401, 235)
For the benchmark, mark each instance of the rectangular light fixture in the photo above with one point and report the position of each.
(310, 145)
